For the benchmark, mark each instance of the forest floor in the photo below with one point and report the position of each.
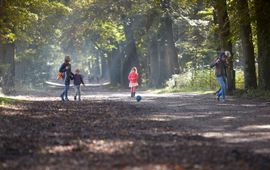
(111, 131)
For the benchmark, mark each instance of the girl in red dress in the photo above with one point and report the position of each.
(133, 81)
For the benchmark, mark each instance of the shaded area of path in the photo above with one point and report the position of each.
(112, 131)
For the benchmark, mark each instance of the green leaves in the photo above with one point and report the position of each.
(18, 18)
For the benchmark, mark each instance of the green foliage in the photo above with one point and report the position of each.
(5, 101)
(203, 79)
(46, 30)
(18, 18)
(239, 79)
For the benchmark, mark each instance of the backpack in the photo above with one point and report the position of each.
(60, 76)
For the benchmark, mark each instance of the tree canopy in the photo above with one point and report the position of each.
(107, 37)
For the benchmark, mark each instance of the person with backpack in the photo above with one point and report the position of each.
(220, 65)
(66, 75)
(78, 80)
(133, 81)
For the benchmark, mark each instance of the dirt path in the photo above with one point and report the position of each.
(112, 131)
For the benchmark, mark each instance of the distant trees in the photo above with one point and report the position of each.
(161, 38)
(25, 26)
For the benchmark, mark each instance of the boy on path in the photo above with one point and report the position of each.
(78, 80)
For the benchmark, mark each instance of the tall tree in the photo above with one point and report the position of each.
(131, 56)
(30, 23)
(246, 43)
(224, 38)
(7, 60)
(263, 36)
(168, 58)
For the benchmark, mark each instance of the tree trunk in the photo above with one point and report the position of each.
(114, 61)
(97, 66)
(154, 69)
(104, 68)
(7, 60)
(168, 56)
(247, 45)
(131, 57)
(224, 38)
(263, 37)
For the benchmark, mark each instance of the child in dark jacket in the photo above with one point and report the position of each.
(78, 80)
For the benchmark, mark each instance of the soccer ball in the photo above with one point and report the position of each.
(138, 98)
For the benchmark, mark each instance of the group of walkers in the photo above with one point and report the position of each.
(65, 73)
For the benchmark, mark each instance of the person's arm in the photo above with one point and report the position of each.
(129, 76)
(82, 80)
(214, 63)
(71, 76)
(137, 77)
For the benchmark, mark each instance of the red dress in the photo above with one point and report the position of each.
(133, 79)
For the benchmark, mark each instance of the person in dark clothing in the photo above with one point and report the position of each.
(78, 80)
(68, 75)
(220, 72)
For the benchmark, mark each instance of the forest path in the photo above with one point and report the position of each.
(110, 130)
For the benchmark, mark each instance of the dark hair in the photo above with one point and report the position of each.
(222, 54)
(67, 59)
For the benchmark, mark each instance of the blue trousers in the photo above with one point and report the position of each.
(222, 82)
(65, 92)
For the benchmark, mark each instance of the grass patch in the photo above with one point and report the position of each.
(6, 100)
(186, 89)
(253, 93)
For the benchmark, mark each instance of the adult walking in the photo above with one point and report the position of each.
(65, 69)
(220, 64)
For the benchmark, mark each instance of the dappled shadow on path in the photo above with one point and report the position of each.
(188, 132)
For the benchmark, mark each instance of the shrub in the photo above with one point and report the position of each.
(201, 79)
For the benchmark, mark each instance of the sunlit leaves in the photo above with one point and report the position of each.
(19, 17)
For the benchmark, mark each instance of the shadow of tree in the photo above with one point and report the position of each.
(190, 132)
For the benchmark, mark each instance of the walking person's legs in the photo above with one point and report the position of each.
(134, 91)
(64, 94)
(223, 87)
(76, 92)
(66, 91)
(79, 92)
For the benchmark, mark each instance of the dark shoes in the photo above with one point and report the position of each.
(64, 99)
(221, 100)
(75, 98)
(133, 94)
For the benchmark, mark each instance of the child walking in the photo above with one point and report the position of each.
(65, 70)
(78, 80)
(133, 81)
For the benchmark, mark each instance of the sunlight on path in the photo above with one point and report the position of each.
(100, 96)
